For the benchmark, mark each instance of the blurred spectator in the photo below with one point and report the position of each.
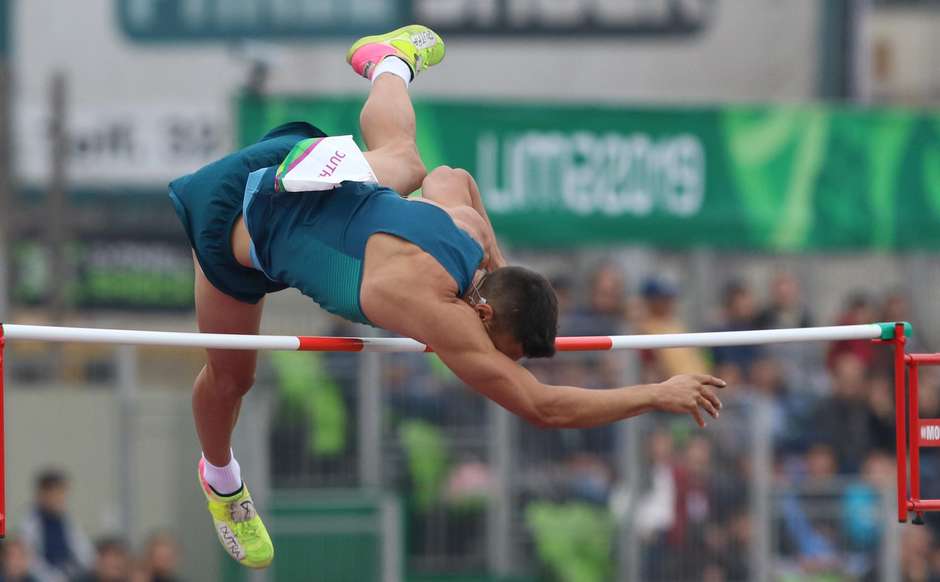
(659, 316)
(656, 509)
(787, 309)
(739, 313)
(606, 308)
(916, 555)
(693, 492)
(862, 509)
(858, 310)
(161, 559)
(881, 413)
(895, 306)
(61, 548)
(589, 478)
(841, 420)
(112, 562)
(15, 558)
(789, 411)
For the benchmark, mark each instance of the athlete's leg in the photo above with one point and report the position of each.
(217, 397)
(228, 374)
(388, 119)
(454, 187)
(387, 122)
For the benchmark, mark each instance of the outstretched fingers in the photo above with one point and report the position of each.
(706, 399)
(711, 380)
(697, 415)
(707, 405)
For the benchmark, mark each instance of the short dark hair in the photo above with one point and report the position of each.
(524, 303)
(108, 544)
(51, 479)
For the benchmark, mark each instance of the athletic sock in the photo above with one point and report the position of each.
(394, 66)
(225, 480)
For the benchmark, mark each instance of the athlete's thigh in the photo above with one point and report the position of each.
(216, 312)
(397, 167)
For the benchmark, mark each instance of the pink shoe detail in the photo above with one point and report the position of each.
(366, 57)
(202, 477)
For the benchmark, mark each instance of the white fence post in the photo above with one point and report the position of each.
(128, 380)
(500, 550)
(370, 421)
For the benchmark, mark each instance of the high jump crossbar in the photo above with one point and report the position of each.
(924, 432)
(390, 345)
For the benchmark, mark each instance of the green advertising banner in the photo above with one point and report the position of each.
(775, 178)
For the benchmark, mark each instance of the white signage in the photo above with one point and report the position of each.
(133, 145)
(589, 173)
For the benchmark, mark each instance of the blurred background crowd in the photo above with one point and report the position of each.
(670, 165)
(49, 545)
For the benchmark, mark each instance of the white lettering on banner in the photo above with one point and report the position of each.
(565, 13)
(145, 146)
(930, 433)
(587, 173)
(240, 14)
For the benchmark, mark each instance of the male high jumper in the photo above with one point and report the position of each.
(427, 268)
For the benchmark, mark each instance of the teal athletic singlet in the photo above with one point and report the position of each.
(312, 241)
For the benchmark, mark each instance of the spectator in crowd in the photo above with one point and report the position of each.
(881, 413)
(606, 308)
(161, 560)
(787, 412)
(61, 548)
(814, 541)
(895, 306)
(659, 316)
(858, 310)
(739, 312)
(918, 563)
(862, 512)
(841, 420)
(16, 561)
(784, 309)
(112, 562)
(656, 509)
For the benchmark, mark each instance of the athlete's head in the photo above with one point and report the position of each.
(519, 310)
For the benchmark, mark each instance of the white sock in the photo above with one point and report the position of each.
(224, 480)
(394, 66)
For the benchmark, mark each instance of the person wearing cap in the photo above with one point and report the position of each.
(659, 316)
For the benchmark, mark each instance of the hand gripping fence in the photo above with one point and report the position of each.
(922, 432)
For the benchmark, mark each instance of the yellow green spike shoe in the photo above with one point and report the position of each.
(238, 525)
(417, 45)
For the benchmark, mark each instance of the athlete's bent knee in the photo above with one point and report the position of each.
(440, 177)
(228, 384)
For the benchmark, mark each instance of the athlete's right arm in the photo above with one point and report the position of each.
(455, 333)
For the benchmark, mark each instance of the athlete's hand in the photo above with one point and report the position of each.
(689, 393)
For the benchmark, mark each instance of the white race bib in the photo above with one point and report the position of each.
(325, 163)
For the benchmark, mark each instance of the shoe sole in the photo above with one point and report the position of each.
(381, 38)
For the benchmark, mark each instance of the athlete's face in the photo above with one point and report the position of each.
(504, 341)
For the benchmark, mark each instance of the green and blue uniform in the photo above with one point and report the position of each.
(312, 241)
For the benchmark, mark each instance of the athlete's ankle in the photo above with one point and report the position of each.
(225, 480)
(396, 66)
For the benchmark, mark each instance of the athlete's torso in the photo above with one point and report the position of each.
(342, 247)
(392, 263)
